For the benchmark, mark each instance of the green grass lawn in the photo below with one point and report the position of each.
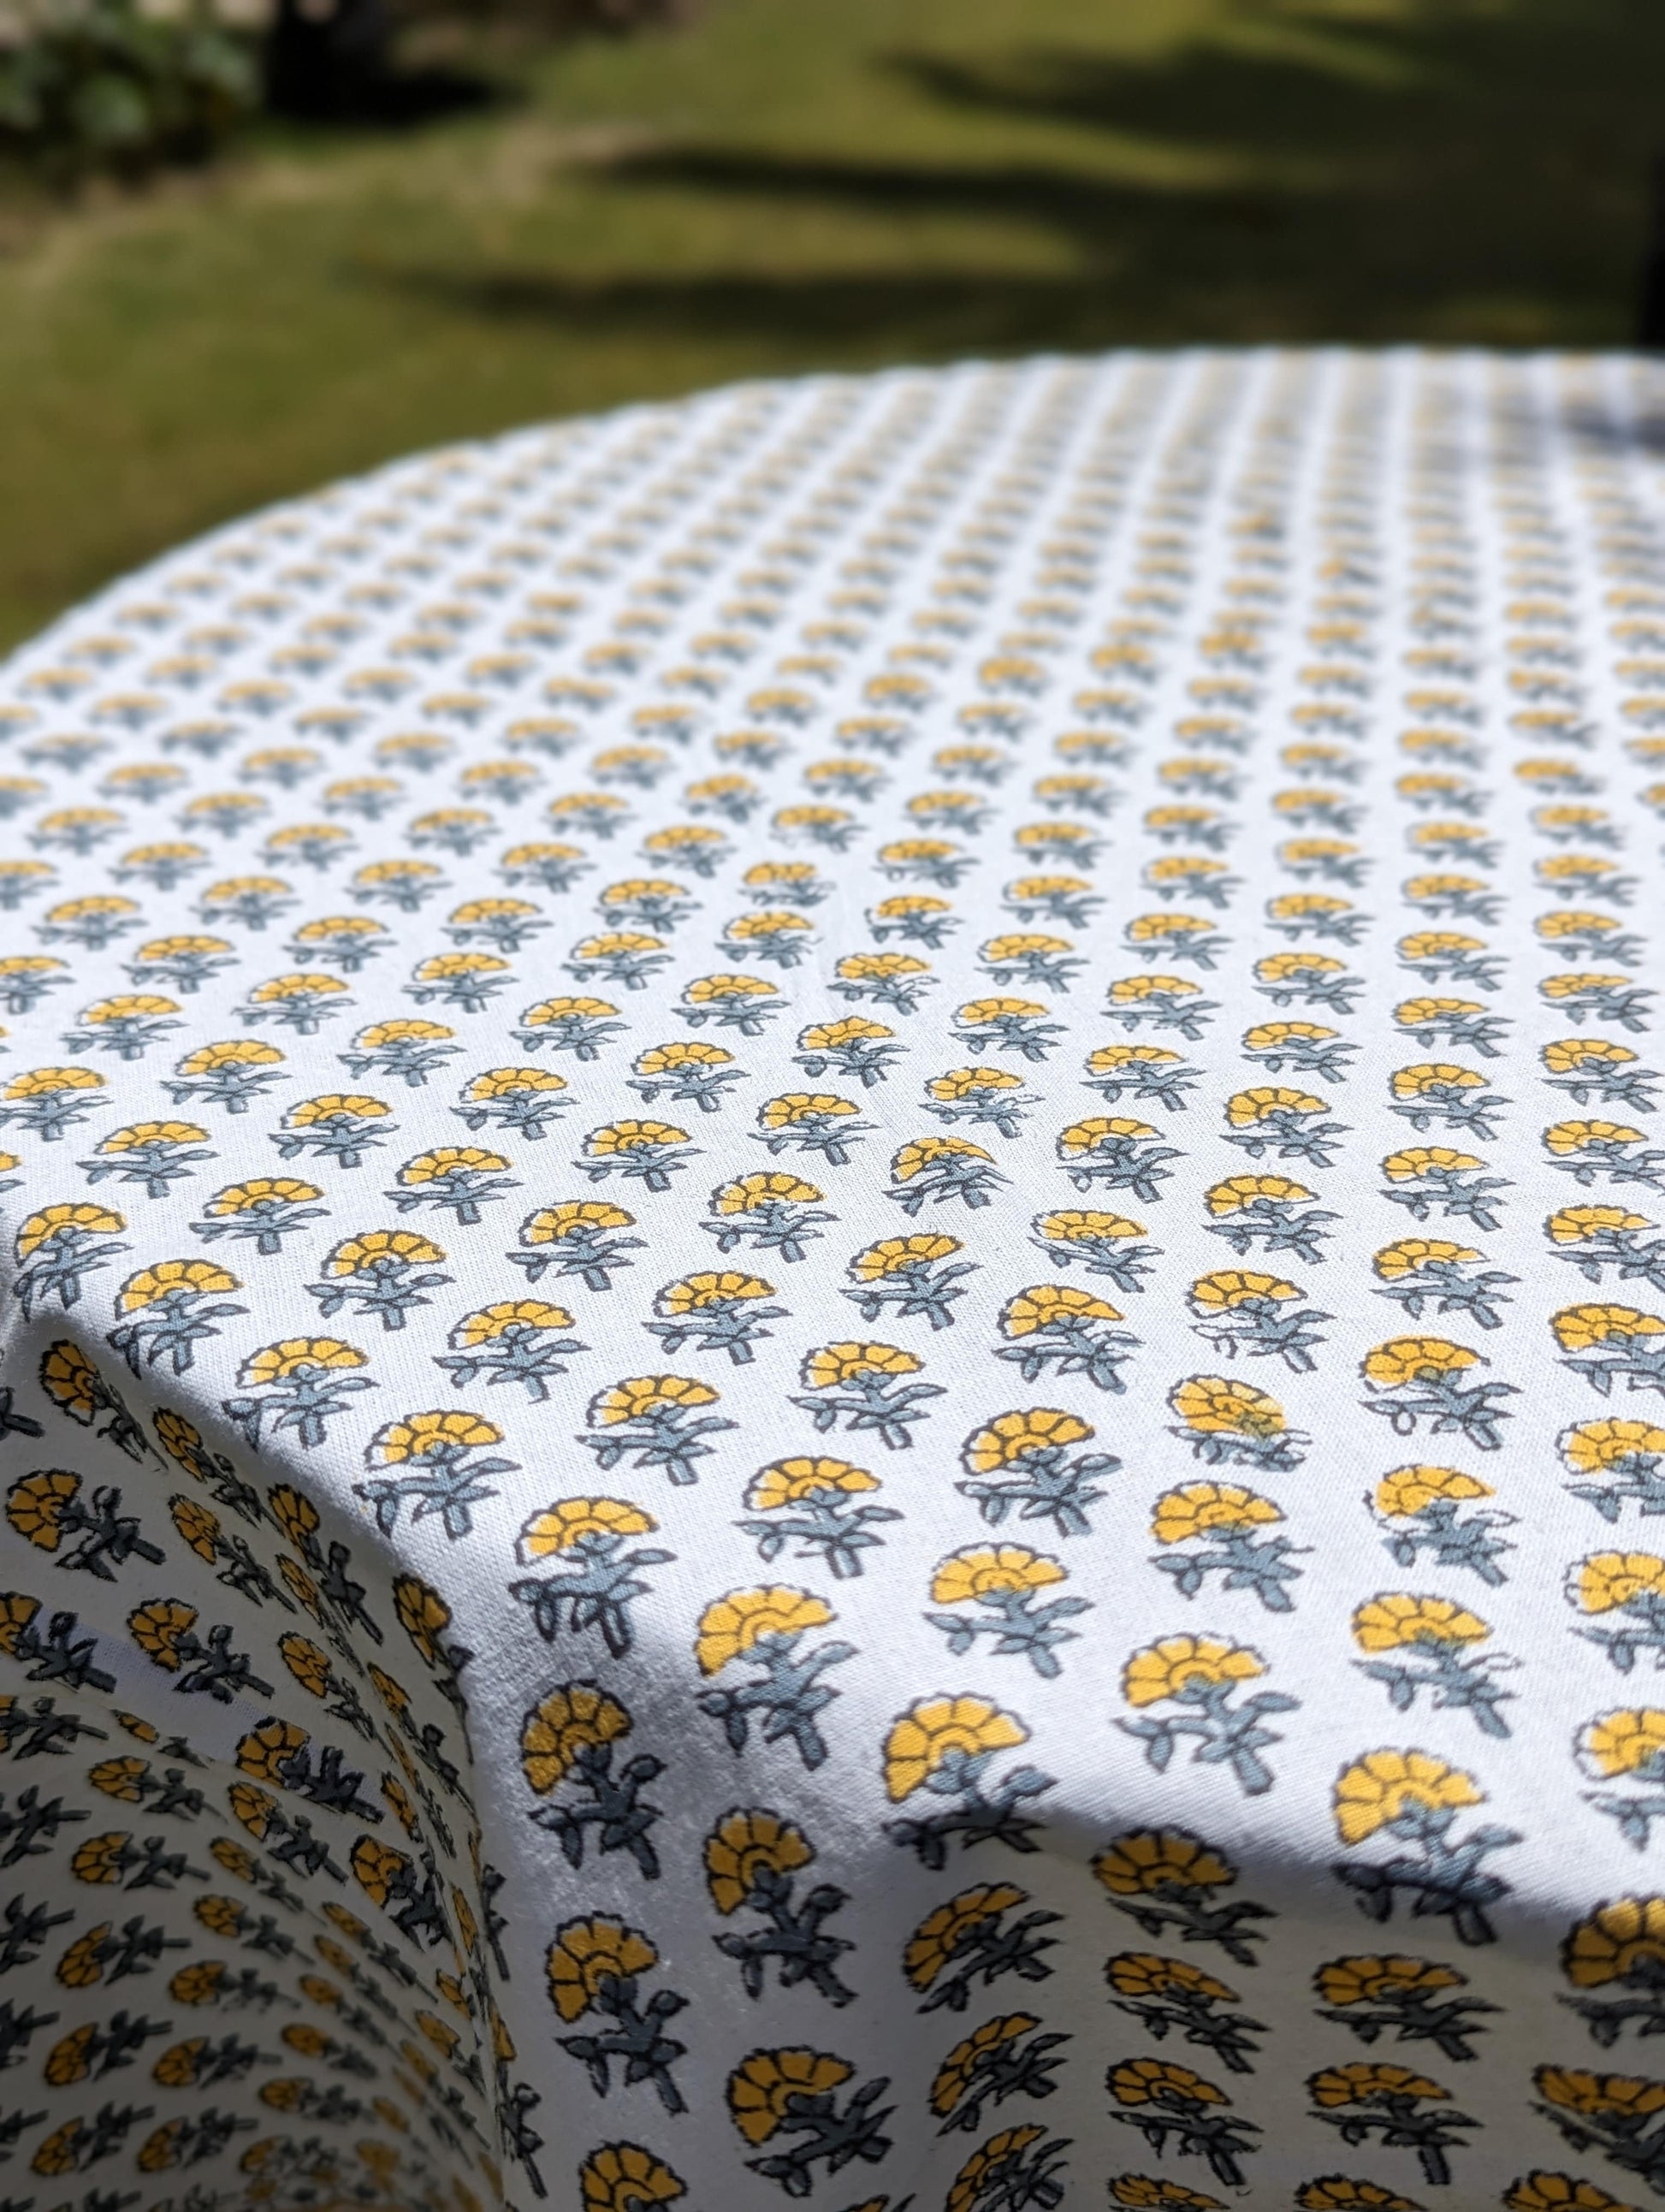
(800, 183)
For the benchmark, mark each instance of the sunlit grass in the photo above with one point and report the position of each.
(802, 183)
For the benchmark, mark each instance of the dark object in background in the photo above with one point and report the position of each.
(103, 87)
(621, 16)
(1651, 324)
(326, 59)
(330, 61)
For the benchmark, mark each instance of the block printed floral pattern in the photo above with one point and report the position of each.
(834, 1313)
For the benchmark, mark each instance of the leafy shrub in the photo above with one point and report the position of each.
(96, 84)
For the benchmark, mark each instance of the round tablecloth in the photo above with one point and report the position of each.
(835, 1319)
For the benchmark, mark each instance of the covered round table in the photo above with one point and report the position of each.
(835, 1313)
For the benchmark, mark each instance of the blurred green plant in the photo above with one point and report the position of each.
(104, 85)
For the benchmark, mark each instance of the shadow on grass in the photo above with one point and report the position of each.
(1466, 172)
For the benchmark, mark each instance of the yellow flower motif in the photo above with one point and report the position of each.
(83, 1964)
(696, 1293)
(1144, 1974)
(1156, 2080)
(744, 1844)
(295, 1516)
(570, 1521)
(1577, 1225)
(120, 1778)
(157, 1626)
(850, 1029)
(264, 1753)
(732, 1625)
(445, 1159)
(1367, 1979)
(35, 1504)
(981, 1570)
(140, 1133)
(980, 1013)
(71, 1381)
(763, 2085)
(714, 990)
(1378, 1788)
(586, 1954)
(1412, 1082)
(667, 1059)
(422, 1612)
(1216, 1405)
(1408, 1257)
(177, 2067)
(601, 947)
(923, 1154)
(830, 1365)
(1415, 1359)
(310, 1665)
(1573, 985)
(980, 2050)
(55, 1221)
(1543, 2191)
(1410, 1489)
(1358, 2082)
(966, 1082)
(573, 1218)
(510, 1082)
(417, 1437)
(260, 1190)
(1044, 1303)
(1247, 1108)
(200, 1278)
(624, 2178)
(1079, 1226)
(894, 1255)
(335, 1106)
(100, 1859)
(1268, 1036)
(49, 1082)
(1564, 1138)
(356, 1253)
(1606, 1582)
(868, 967)
(1593, 1447)
(1397, 1620)
(1615, 2096)
(940, 1936)
(988, 2165)
(640, 1395)
(378, 1869)
(1178, 1663)
(1134, 990)
(298, 1355)
(1238, 1192)
(789, 1481)
(934, 1730)
(1197, 1508)
(1008, 1438)
(1625, 1741)
(494, 1321)
(1581, 1328)
(1568, 1056)
(1083, 1137)
(1142, 2194)
(1228, 1288)
(1410, 1166)
(1620, 1940)
(1110, 1059)
(793, 1107)
(278, 990)
(748, 1192)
